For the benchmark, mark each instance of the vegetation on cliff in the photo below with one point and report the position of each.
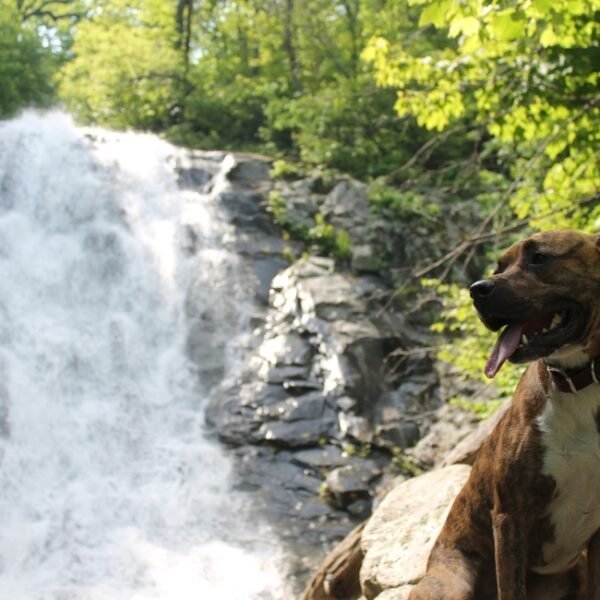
(431, 102)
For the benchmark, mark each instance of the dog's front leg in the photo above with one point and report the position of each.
(593, 567)
(509, 550)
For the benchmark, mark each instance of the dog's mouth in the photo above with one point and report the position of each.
(536, 338)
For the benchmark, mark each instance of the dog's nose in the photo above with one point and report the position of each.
(482, 288)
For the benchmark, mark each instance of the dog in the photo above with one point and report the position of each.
(530, 511)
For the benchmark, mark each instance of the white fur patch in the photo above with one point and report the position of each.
(572, 458)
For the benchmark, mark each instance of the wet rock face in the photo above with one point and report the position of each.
(316, 414)
(335, 381)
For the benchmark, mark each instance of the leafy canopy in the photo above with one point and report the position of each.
(527, 71)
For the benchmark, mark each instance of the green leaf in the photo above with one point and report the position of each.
(464, 25)
(542, 6)
(436, 13)
(548, 37)
(508, 25)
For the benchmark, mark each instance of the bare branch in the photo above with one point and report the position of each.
(50, 9)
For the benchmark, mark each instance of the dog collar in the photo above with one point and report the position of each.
(573, 380)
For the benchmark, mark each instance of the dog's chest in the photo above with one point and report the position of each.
(571, 440)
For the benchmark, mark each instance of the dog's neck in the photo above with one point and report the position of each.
(572, 380)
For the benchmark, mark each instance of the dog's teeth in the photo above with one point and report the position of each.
(545, 330)
(524, 339)
(556, 321)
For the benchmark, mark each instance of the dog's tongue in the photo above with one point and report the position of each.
(505, 347)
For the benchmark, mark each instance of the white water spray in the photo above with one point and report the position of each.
(108, 488)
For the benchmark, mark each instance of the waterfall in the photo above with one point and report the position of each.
(121, 303)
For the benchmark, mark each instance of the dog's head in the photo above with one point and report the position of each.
(545, 293)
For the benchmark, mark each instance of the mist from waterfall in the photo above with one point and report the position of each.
(121, 302)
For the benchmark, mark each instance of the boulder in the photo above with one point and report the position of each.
(249, 170)
(347, 207)
(400, 534)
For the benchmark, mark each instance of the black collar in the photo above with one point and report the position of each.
(573, 380)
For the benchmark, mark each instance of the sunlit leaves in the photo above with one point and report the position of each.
(508, 25)
(466, 26)
(436, 13)
(125, 68)
(527, 70)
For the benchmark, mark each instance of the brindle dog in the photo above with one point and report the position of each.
(529, 515)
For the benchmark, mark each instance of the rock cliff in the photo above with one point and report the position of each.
(337, 381)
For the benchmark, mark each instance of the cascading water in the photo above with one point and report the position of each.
(111, 327)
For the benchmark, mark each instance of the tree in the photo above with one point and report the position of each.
(26, 67)
(527, 72)
(49, 10)
(125, 70)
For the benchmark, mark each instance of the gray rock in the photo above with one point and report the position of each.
(451, 425)
(398, 537)
(365, 259)
(249, 170)
(309, 406)
(355, 427)
(196, 170)
(401, 434)
(297, 433)
(328, 297)
(265, 267)
(232, 410)
(314, 508)
(413, 396)
(467, 449)
(346, 403)
(281, 374)
(301, 386)
(347, 207)
(289, 349)
(325, 456)
(351, 479)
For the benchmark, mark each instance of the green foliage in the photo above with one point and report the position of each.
(405, 464)
(323, 238)
(347, 125)
(278, 207)
(26, 66)
(283, 169)
(527, 72)
(288, 254)
(329, 241)
(125, 71)
(401, 203)
(362, 450)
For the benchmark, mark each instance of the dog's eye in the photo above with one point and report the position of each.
(538, 259)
